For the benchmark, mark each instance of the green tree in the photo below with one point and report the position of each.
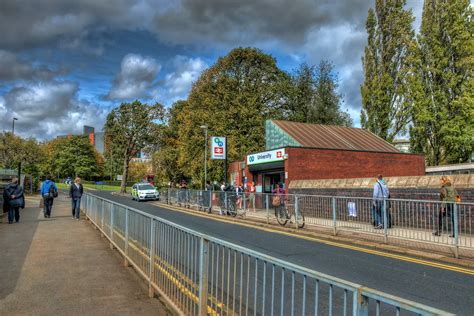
(443, 114)
(72, 156)
(314, 97)
(387, 62)
(233, 97)
(14, 149)
(130, 128)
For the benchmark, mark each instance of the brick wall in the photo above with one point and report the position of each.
(306, 163)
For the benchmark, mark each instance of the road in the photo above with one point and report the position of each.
(441, 288)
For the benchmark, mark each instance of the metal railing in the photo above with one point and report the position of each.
(449, 224)
(198, 274)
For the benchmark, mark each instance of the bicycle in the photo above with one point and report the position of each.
(203, 202)
(285, 212)
(227, 204)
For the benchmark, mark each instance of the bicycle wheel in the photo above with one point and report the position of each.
(299, 220)
(232, 209)
(280, 216)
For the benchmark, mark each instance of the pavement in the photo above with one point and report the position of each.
(447, 287)
(61, 266)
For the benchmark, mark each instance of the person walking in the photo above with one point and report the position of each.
(75, 193)
(447, 194)
(49, 191)
(13, 195)
(381, 193)
(239, 192)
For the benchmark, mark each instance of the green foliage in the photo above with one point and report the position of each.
(72, 156)
(14, 149)
(387, 62)
(234, 97)
(443, 113)
(129, 129)
(313, 97)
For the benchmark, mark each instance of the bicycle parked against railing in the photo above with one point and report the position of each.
(284, 212)
(228, 203)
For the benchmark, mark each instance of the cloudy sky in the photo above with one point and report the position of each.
(65, 64)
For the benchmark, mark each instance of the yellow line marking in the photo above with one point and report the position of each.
(144, 252)
(330, 243)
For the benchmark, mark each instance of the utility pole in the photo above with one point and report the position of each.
(204, 127)
(13, 125)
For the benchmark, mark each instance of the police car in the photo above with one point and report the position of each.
(144, 191)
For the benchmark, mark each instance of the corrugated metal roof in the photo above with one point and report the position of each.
(335, 137)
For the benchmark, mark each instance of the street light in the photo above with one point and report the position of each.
(13, 125)
(204, 127)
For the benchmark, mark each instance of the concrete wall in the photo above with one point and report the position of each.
(417, 187)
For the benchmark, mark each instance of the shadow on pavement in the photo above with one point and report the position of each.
(15, 241)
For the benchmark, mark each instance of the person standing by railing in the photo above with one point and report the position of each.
(278, 200)
(251, 190)
(447, 195)
(75, 193)
(380, 194)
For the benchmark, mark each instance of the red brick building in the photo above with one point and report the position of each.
(300, 151)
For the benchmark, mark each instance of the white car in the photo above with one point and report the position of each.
(144, 191)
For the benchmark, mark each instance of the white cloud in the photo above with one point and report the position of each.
(45, 110)
(178, 83)
(137, 75)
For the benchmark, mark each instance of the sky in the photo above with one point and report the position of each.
(65, 64)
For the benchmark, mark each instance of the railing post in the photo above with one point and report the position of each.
(203, 269)
(112, 208)
(297, 211)
(385, 221)
(210, 200)
(334, 215)
(102, 214)
(244, 199)
(456, 229)
(151, 291)
(168, 193)
(360, 304)
(125, 261)
(267, 208)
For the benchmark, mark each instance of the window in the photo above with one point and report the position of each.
(146, 187)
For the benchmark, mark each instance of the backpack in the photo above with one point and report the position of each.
(52, 193)
(450, 193)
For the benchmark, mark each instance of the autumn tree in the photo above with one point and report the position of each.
(387, 63)
(233, 97)
(443, 113)
(130, 128)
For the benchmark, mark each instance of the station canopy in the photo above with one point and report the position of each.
(280, 134)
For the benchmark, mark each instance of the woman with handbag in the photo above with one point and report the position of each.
(13, 195)
(278, 200)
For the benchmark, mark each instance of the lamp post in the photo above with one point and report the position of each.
(13, 125)
(204, 127)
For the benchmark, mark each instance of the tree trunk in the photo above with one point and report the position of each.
(123, 184)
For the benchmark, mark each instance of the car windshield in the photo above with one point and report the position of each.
(146, 187)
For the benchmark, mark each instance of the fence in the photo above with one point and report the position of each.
(201, 275)
(449, 224)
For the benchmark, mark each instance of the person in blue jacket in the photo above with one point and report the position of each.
(49, 191)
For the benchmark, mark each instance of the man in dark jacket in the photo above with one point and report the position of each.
(13, 195)
(75, 193)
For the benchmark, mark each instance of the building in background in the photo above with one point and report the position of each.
(402, 144)
(301, 151)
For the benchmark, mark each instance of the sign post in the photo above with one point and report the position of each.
(219, 151)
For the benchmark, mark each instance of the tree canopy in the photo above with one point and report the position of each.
(129, 129)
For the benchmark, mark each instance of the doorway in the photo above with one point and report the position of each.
(270, 181)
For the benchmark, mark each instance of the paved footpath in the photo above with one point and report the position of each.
(61, 266)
